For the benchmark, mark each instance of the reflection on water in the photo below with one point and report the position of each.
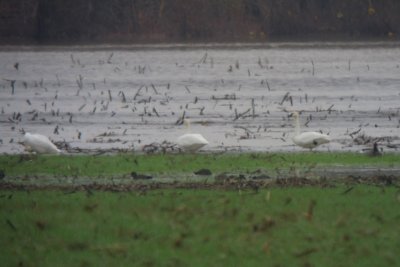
(237, 96)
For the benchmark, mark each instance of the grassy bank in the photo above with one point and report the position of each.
(121, 164)
(274, 227)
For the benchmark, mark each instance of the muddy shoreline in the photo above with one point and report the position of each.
(230, 184)
(205, 179)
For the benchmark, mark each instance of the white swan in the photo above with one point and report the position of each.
(191, 142)
(308, 139)
(39, 144)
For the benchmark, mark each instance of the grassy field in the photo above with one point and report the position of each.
(308, 226)
(335, 223)
(121, 164)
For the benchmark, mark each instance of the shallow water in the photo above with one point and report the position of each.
(114, 98)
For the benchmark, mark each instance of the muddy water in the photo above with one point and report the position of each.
(238, 97)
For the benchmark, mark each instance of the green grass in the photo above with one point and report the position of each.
(202, 227)
(94, 166)
(197, 227)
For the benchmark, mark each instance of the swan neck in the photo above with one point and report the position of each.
(297, 126)
(188, 129)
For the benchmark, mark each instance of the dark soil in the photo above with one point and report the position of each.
(222, 182)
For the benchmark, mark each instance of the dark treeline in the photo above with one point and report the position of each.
(138, 21)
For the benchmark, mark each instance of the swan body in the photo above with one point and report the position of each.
(308, 139)
(40, 144)
(191, 142)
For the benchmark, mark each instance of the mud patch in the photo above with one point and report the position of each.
(230, 182)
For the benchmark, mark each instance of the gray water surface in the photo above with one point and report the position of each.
(238, 97)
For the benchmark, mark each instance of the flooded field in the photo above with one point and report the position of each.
(237, 97)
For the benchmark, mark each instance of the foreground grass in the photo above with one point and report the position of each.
(173, 163)
(307, 226)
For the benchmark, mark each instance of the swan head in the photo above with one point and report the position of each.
(294, 114)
